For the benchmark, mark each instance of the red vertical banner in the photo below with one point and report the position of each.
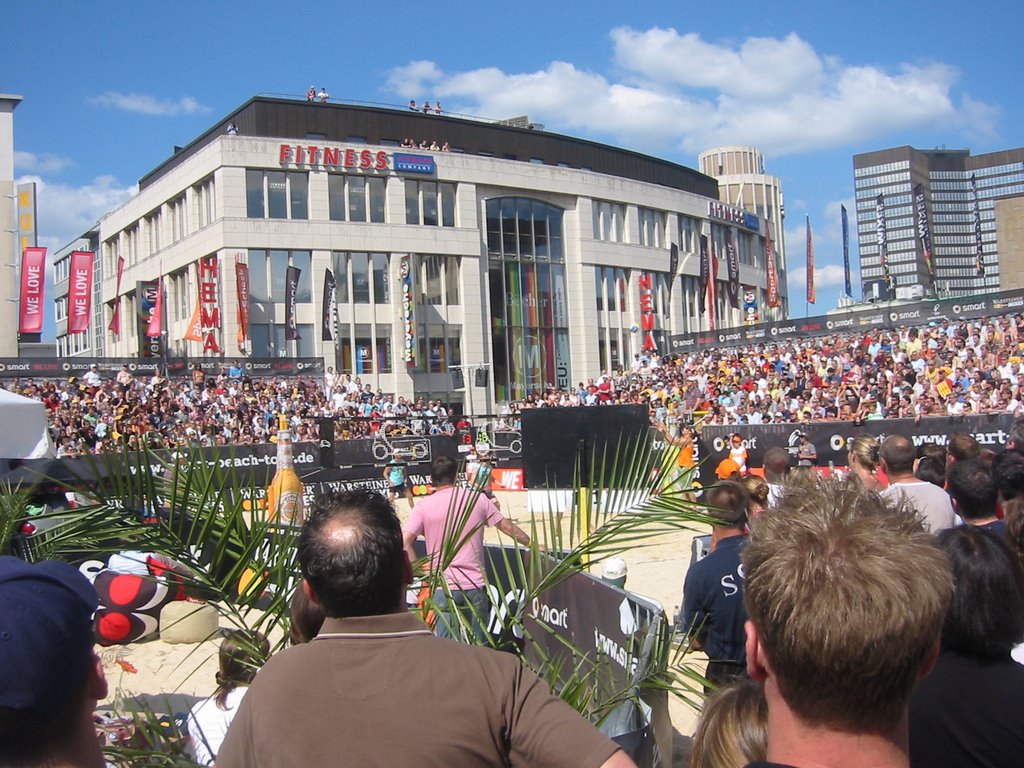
(80, 291)
(811, 294)
(772, 268)
(242, 288)
(115, 316)
(33, 274)
(155, 327)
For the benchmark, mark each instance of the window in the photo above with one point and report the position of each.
(438, 276)
(268, 271)
(205, 202)
(356, 198)
(179, 219)
(527, 290)
(276, 194)
(153, 222)
(431, 203)
(652, 227)
(363, 277)
(689, 234)
(608, 221)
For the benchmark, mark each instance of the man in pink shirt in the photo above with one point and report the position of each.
(452, 522)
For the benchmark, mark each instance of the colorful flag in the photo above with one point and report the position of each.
(848, 282)
(979, 252)
(291, 287)
(705, 275)
(80, 291)
(811, 294)
(732, 264)
(155, 327)
(115, 316)
(772, 269)
(327, 318)
(195, 325)
(242, 289)
(33, 279)
(883, 244)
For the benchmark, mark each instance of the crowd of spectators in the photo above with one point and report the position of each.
(947, 368)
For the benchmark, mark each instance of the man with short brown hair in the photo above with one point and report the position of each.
(846, 596)
(376, 687)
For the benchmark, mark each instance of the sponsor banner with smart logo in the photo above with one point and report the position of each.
(831, 438)
(58, 368)
(916, 313)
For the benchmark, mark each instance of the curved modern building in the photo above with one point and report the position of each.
(519, 258)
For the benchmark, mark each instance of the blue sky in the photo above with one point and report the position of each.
(110, 87)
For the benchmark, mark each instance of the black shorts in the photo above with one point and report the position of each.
(399, 489)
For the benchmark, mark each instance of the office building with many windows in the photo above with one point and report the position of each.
(401, 246)
(926, 219)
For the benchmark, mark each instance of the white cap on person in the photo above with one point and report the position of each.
(614, 572)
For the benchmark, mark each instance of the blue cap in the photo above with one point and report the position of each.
(46, 634)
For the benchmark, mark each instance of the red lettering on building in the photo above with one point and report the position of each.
(209, 309)
(647, 309)
(332, 157)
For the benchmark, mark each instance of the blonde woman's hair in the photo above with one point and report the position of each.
(757, 487)
(733, 727)
(866, 448)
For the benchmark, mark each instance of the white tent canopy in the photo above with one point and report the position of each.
(24, 435)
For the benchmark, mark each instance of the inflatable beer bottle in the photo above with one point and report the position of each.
(284, 496)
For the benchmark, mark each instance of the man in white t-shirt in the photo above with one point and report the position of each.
(930, 501)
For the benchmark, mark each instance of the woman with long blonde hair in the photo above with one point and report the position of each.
(863, 457)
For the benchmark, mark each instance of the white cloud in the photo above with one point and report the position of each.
(64, 212)
(825, 276)
(148, 105)
(679, 91)
(29, 162)
(413, 80)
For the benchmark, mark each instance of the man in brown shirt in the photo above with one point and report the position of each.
(376, 687)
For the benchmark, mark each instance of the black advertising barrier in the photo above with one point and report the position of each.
(875, 318)
(61, 367)
(615, 629)
(830, 438)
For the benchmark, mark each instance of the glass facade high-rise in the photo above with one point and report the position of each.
(909, 199)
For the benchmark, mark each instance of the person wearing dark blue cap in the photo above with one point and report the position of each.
(50, 676)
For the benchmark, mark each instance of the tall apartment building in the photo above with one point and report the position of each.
(742, 182)
(912, 201)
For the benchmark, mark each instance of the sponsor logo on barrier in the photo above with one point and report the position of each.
(844, 323)
(555, 617)
(911, 315)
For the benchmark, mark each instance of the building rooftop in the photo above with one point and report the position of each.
(284, 118)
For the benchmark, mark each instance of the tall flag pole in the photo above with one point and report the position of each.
(924, 235)
(811, 294)
(846, 251)
(883, 244)
(772, 269)
(979, 253)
